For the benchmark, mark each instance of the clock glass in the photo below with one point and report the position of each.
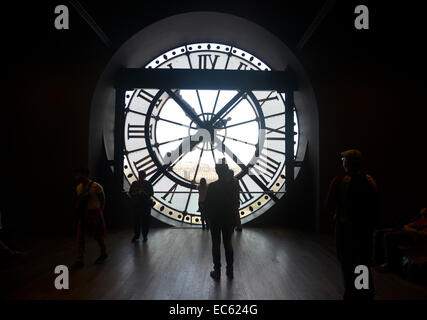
(178, 135)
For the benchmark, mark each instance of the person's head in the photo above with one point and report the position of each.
(142, 175)
(423, 212)
(230, 174)
(82, 175)
(352, 160)
(202, 181)
(221, 169)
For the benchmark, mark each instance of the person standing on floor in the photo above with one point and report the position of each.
(203, 189)
(221, 202)
(231, 179)
(353, 199)
(90, 204)
(141, 192)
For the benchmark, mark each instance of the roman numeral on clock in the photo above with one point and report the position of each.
(148, 97)
(244, 193)
(170, 193)
(136, 131)
(266, 167)
(147, 164)
(270, 97)
(242, 66)
(206, 61)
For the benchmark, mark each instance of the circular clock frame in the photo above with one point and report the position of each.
(196, 27)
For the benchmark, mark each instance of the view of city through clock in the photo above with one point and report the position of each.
(177, 136)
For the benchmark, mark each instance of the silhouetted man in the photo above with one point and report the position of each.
(221, 203)
(353, 199)
(89, 205)
(231, 179)
(141, 192)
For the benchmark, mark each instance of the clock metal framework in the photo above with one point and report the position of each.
(168, 81)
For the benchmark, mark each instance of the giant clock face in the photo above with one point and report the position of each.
(177, 136)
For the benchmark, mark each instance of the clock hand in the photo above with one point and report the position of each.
(177, 156)
(187, 145)
(245, 169)
(227, 108)
(186, 107)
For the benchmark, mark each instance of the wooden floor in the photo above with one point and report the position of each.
(175, 263)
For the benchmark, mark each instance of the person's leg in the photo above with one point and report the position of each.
(216, 251)
(203, 220)
(238, 221)
(363, 248)
(344, 254)
(227, 233)
(347, 269)
(99, 234)
(392, 242)
(136, 223)
(378, 246)
(202, 215)
(145, 223)
(80, 243)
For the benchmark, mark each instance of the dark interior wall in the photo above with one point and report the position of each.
(369, 88)
(50, 76)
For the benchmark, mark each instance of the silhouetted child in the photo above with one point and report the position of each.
(203, 189)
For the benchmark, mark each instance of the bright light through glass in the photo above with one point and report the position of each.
(240, 138)
(157, 125)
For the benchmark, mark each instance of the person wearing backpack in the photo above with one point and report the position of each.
(353, 198)
(89, 207)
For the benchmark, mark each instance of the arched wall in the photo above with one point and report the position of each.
(202, 27)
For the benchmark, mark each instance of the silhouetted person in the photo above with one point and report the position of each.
(412, 234)
(141, 192)
(231, 179)
(89, 205)
(221, 202)
(203, 189)
(354, 201)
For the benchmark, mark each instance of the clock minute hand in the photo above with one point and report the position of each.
(245, 168)
(230, 104)
(186, 107)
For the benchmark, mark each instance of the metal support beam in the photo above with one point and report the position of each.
(86, 16)
(119, 124)
(316, 22)
(281, 81)
(206, 79)
(289, 143)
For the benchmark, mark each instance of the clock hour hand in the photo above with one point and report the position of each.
(187, 145)
(186, 107)
(227, 108)
(176, 155)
